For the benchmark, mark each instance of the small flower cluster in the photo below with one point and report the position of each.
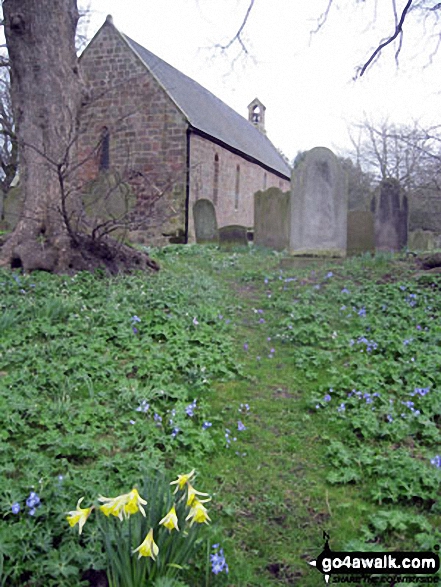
(369, 345)
(436, 461)
(125, 505)
(143, 406)
(218, 562)
(422, 391)
(32, 503)
(135, 320)
(189, 410)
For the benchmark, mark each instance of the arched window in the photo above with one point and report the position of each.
(237, 188)
(104, 152)
(216, 179)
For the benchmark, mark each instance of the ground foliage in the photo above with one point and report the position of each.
(306, 396)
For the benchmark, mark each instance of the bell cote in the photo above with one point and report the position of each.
(256, 114)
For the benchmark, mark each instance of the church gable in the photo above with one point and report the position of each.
(144, 132)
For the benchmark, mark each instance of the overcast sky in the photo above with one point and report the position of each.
(306, 82)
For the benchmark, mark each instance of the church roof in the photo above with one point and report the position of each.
(209, 115)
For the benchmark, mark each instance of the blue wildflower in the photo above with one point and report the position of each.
(206, 425)
(33, 500)
(15, 507)
(189, 410)
(218, 562)
(143, 406)
(436, 461)
(327, 398)
(341, 408)
(241, 426)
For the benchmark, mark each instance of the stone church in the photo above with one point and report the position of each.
(171, 140)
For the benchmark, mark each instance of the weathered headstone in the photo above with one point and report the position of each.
(421, 240)
(233, 235)
(12, 207)
(389, 206)
(319, 206)
(360, 232)
(205, 222)
(271, 218)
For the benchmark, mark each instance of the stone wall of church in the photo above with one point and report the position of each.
(146, 136)
(228, 180)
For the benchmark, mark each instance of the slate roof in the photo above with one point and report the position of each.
(206, 113)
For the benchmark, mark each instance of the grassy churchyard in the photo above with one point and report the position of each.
(306, 399)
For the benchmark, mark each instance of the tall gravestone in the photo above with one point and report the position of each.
(271, 219)
(205, 222)
(389, 206)
(319, 206)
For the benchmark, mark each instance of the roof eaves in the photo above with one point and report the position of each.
(239, 152)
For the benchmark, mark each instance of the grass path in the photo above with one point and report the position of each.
(272, 498)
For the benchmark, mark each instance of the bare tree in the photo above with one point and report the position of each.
(426, 13)
(47, 94)
(410, 154)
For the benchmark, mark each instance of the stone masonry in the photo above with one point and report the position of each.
(147, 133)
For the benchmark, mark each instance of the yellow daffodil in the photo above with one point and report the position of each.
(170, 521)
(134, 503)
(182, 480)
(148, 547)
(191, 495)
(113, 506)
(198, 513)
(79, 516)
(125, 504)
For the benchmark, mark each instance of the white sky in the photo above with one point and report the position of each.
(305, 83)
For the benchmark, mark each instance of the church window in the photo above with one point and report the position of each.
(104, 153)
(216, 179)
(237, 188)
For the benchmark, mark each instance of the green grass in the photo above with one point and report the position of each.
(226, 329)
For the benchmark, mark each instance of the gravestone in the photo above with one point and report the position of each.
(233, 235)
(271, 218)
(12, 207)
(205, 222)
(389, 206)
(421, 240)
(319, 206)
(361, 236)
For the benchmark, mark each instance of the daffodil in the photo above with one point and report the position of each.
(170, 521)
(148, 547)
(113, 506)
(191, 495)
(79, 516)
(182, 480)
(134, 503)
(198, 513)
(125, 504)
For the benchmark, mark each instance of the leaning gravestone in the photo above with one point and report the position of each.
(233, 235)
(271, 219)
(389, 206)
(205, 223)
(319, 206)
(361, 237)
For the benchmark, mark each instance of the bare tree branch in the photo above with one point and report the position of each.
(238, 36)
(381, 46)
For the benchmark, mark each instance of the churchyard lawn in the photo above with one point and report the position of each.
(307, 398)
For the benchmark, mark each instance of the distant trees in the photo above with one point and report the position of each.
(410, 154)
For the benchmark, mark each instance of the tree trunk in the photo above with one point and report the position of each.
(46, 92)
